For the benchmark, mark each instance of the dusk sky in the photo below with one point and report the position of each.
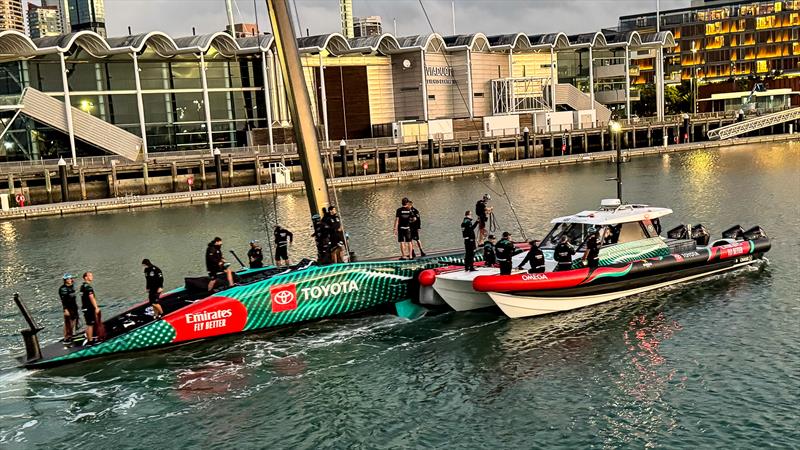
(177, 17)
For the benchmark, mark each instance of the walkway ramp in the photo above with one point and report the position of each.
(567, 94)
(88, 128)
(756, 123)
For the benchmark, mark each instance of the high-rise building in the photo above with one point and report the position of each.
(11, 17)
(85, 15)
(44, 20)
(346, 14)
(367, 26)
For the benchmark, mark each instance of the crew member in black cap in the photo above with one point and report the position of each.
(505, 250)
(468, 233)
(591, 257)
(154, 285)
(255, 256)
(489, 256)
(215, 263)
(69, 304)
(563, 254)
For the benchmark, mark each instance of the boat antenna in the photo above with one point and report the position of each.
(464, 100)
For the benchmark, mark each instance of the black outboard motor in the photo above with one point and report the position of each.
(700, 235)
(734, 232)
(755, 233)
(679, 232)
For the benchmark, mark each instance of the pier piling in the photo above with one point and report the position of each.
(218, 167)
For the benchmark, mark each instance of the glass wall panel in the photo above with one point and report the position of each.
(186, 75)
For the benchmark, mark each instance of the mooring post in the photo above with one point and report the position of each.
(526, 142)
(230, 170)
(174, 173)
(82, 180)
(460, 153)
(62, 173)
(114, 191)
(430, 154)
(399, 164)
(203, 181)
(419, 155)
(218, 167)
(48, 186)
(343, 156)
(257, 167)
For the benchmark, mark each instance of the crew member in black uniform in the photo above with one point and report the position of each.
(320, 236)
(563, 254)
(489, 256)
(255, 256)
(154, 284)
(333, 226)
(505, 250)
(89, 307)
(482, 211)
(535, 257)
(468, 233)
(591, 256)
(283, 238)
(69, 303)
(402, 229)
(215, 263)
(416, 225)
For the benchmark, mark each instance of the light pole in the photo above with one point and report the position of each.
(694, 79)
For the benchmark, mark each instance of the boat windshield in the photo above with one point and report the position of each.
(577, 233)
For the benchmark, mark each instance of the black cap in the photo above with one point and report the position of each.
(491, 236)
(147, 262)
(506, 234)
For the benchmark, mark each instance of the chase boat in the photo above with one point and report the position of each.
(634, 258)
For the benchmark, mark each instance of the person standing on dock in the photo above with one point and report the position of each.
(255, 256)
(402, 229)
(215, 263)
(535, 257)
(283, 238)
(468, 233)
(489, 256)
(505, 250)
(154, 285)
(416, 225)
(89, 307)
(69, 302)
(563, 254)
(482, 211)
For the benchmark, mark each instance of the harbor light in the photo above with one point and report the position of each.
(615, 126)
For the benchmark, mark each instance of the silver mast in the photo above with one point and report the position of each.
(299, 103)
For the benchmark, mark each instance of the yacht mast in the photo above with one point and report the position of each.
(299, 105)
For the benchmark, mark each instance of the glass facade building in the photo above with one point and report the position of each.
(86, 15)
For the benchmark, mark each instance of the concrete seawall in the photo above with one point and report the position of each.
(255, 191)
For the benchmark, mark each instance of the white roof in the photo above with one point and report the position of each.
(622, 214)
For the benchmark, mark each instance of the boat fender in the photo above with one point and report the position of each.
(427, 277)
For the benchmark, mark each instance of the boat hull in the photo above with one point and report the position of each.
(456, 290)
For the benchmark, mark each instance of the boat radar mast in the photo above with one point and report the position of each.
(299, 105)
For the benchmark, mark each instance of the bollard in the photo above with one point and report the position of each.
(174, 173)
(257, 168)
(114, 191)
(343, 156)
(62, 172)
(48, 186)
(82, 180)
(203, 181)
(526, 143)
(146, 178)
(430, 154)
(218, 167)
(230, 171)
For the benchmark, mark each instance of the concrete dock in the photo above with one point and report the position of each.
(259, 191)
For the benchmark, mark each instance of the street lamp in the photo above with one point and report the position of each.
(694, 79)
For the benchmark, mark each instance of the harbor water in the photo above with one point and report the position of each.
(714, 363)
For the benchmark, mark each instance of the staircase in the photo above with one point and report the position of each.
(567, 94)
(88, 128)
(753, 124)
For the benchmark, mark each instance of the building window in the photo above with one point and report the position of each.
(761, 66)
(765, 23)
(431, 97)
(478, 94)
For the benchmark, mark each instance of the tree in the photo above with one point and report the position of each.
(678, 98)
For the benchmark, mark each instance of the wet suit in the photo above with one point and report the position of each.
(535, 256)
(489, 257)
(89, 315)
(468, 233)
(69, 300)
(154, 280)
(505, 250)
(283, 238)
(563, 256)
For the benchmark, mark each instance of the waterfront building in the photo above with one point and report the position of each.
(367, 26)
(11, 17)
(243, 29)
(153, 87)
(726, 48)
(44, 20)
(85, 15)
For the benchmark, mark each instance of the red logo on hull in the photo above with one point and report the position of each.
(213, 316)
(284, 297)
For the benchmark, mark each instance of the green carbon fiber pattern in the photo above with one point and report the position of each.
(156, 333)
(631, 251)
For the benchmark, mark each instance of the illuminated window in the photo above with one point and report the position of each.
(794, 19)
(761, 66)
(796, 48)
(765, 22)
